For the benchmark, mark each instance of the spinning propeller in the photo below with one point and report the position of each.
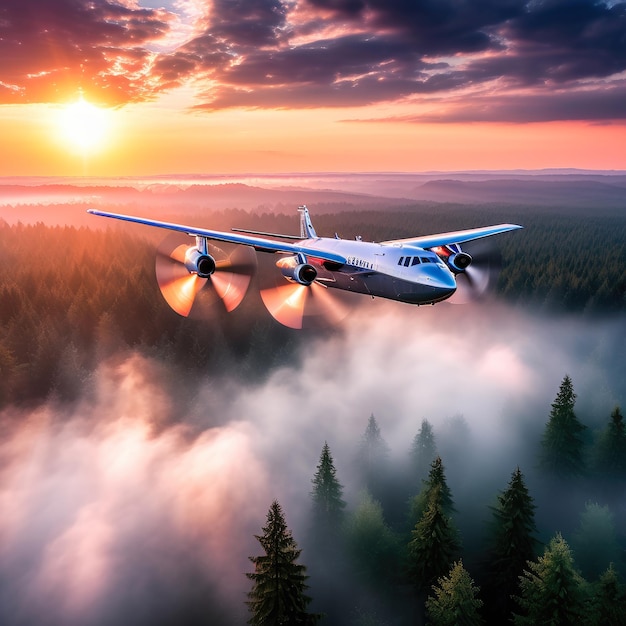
(219, 273)
(482, 273)
(306, 304)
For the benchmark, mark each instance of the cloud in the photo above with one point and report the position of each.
(477, 52)
(321, 53)
(135, 505)
(50, 51)
(104, 502)
(572, 40)
(249, 23)
(524, 107)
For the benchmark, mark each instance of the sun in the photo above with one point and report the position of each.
(83, 126)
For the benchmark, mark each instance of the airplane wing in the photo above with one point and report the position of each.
(258, 243)
(459, 236)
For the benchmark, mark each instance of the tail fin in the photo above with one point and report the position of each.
(306, 228)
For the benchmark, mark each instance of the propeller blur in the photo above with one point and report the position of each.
(305, 279)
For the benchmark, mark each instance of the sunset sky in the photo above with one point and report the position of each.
(231, 86)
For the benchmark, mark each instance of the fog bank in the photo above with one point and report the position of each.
(122, 509)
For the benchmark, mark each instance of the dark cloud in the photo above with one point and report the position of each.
(580, 105)
(448, 26)
(340, 94)
(309, 76)
(248, 23)
(592, 25)
(567, 41)
(338, 53)
(317, 63)
(386, 51)
(345, 7)
(429, 23)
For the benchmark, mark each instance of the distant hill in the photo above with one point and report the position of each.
(575, 193)
(63, 201)
(66, 203)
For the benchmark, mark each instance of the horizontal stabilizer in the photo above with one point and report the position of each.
(262, 234)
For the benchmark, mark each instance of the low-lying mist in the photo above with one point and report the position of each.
(135, 506)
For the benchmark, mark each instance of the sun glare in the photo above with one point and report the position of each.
(83, 126)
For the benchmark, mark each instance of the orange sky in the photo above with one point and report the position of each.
(147, 139)
(191, 87)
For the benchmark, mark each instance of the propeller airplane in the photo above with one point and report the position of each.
(296, 288)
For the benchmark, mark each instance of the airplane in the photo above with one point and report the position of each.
(296, 287)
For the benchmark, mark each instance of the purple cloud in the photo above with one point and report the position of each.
(331, 53)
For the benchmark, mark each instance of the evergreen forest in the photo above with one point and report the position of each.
(405, 552)
(71, 296)
(403, 537)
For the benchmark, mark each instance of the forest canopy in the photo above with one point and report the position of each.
(73, 295)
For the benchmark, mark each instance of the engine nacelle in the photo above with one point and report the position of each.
(301, 273)
(459, 261)
(199, 263)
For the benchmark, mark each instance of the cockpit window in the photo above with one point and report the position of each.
(410, 261)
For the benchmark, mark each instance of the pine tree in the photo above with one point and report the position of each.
(609, 600)
(278, 593)
(423, 450)
(371, 543)
(436, 481)
(328, 569)
(372, 459)
(562, 443)
(434, 544)
(611, 448)
(595, 542)
(455, 600)
(328, 506)
(552, 592)
(512, 544)
(7, 374)
(373, 449)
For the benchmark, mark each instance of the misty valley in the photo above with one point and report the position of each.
(411, 461)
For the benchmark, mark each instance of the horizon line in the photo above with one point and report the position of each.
(166, 175)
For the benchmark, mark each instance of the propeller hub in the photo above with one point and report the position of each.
(306, 274)
(198, 263)
(293, 270)
(459, 261)
(206, 266)
(192, 280)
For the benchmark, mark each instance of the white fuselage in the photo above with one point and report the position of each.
(397, 271)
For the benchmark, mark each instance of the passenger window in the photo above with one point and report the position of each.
(407, 261)
(416, 260)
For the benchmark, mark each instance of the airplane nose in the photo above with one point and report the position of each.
(433, 284)
(441, 281)
(445, 292)
(441, 278)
